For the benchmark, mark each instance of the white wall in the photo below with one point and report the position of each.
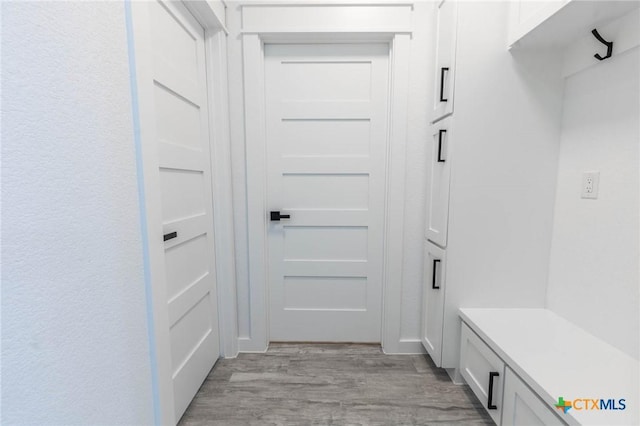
(75, 347)
(593, 277)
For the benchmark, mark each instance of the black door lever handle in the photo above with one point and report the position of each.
(276, 216)
(170, 236)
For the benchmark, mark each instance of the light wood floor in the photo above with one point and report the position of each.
(331, 384)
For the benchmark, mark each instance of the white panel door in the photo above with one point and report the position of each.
(433, 292)
(438, 208)
(326, 140)
(182, 138)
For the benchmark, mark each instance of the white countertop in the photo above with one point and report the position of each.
(559, 359)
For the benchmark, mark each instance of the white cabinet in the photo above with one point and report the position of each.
(446, 24)
(490, 201)
(525, 15)
(556, 23)
(523, 407)
(438, 203)
(529, 343)
(433, 301)
(483, 370)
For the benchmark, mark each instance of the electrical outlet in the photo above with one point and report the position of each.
(590, 181)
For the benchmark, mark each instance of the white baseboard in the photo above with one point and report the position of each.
(455, 376)
(404, 347)
(248, 345)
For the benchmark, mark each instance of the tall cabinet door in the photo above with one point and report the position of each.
(445, 59)
(433, 301)
(438, 206)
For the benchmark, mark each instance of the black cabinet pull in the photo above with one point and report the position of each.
(440, 133)
(492, 375)
(170, 236)
(442, 71)
(276, 216)
(433, 275)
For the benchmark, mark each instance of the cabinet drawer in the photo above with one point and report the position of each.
(521, 406)
(440, 175)
(433, 301)
(483, 371)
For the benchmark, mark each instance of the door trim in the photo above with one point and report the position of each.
(255, 124)
(138, 39)
(215, 44)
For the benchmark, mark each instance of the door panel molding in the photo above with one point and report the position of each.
(256, 170)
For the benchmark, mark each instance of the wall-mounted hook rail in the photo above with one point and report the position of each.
(609, 45)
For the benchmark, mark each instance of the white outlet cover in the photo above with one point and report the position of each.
(590, 185)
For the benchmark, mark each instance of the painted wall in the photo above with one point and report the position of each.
(75, 348)
(593, 277)
(420, 89)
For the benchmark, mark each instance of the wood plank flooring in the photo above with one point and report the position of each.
(331, 384)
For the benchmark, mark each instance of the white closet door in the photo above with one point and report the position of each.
(326, 142)
(174, 121)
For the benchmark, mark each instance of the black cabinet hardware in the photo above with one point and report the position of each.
(433, 275)
(492, 375)
(276, 216)
(440, 133)
(170, 236)
(442, 71)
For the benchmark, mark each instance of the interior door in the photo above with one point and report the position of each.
(326, 125)
(182, 139)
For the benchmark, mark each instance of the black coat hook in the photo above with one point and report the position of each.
(609, 45)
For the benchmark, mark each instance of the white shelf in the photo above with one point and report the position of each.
(557, 358)
(561, 23)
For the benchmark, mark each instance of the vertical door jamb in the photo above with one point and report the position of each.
(395, 195)
(254, 109)
(223, 223)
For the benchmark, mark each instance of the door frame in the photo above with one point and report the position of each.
(208, 14)
(256, 168)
